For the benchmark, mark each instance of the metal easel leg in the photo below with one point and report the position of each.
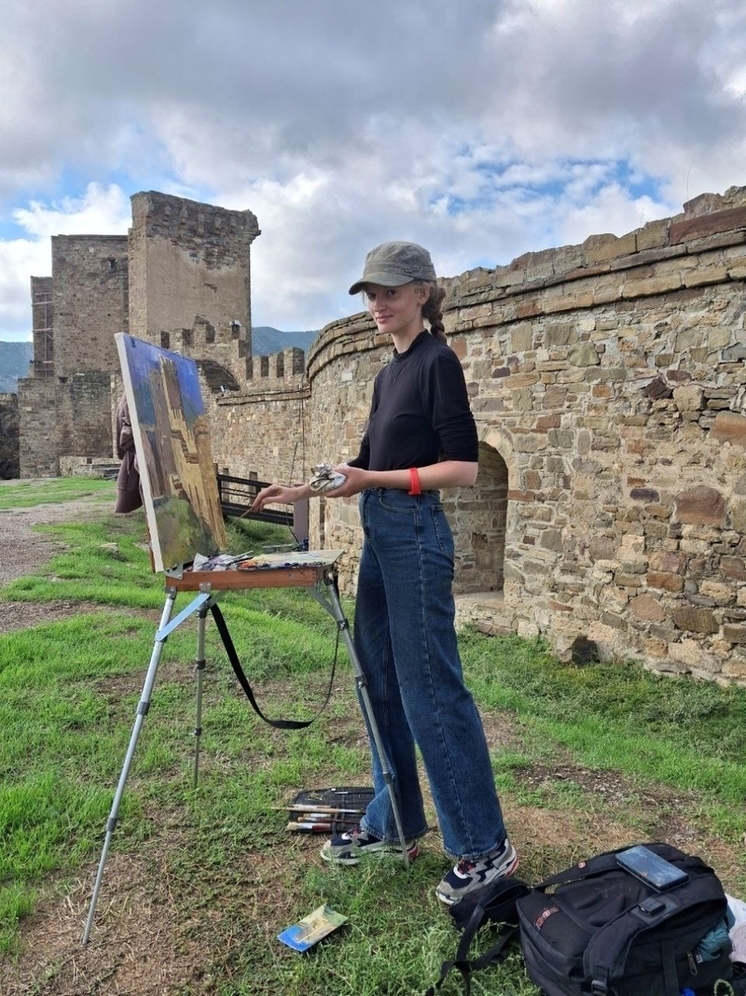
(142, 709)
(334, 608)
(199, 666)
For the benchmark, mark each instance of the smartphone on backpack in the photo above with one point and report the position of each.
(651, 868)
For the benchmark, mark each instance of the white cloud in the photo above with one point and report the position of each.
(100, 211)
(482, 129)
(20, 259)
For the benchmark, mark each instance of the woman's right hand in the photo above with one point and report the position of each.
(277, 493)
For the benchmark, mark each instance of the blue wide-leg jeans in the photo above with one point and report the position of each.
(405, 639)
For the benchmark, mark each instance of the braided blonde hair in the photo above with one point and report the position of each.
(432, 310)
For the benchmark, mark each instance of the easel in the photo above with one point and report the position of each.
(317, 572)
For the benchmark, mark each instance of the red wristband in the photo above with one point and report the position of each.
(415, 488)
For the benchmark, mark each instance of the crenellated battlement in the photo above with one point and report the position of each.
(215, 236)
(287, 365)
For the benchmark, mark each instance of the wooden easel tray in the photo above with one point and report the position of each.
(268, 570)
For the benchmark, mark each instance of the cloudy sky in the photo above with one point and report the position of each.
(479, 128)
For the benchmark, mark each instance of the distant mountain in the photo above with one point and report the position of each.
(14, 363)
(265, 340)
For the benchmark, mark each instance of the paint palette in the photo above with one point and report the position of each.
(311, 929)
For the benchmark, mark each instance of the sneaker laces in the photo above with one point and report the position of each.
(351, 834)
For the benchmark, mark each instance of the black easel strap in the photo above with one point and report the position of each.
(280, 724)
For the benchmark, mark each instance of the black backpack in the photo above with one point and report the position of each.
(596, 930)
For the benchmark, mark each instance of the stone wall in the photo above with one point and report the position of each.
(90, 301)
(608, 383)
(76, 313)
(261, 430)
(65, 419)
(37, 398)
(83, 406)
(96, 467)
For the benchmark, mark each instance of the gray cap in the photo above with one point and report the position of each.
(395, 263)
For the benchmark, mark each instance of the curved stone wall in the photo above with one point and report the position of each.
(608, 383)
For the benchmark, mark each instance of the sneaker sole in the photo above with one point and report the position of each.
(450, 900)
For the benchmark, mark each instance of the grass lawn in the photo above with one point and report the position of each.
(199, 881)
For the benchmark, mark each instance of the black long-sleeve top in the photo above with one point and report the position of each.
(420, 411)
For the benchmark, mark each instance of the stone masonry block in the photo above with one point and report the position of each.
(584, 355)
(689, 398)
(653, 235)
(729, 427)
(737, 510)
(701, 506)
(655, 285)
(707, 275)
(692, 655)
(721, 594)
(695, 620)
(647, 608)
(601, 248)
(666, 582)
(734, 634)
(733, 568)
(569, 302)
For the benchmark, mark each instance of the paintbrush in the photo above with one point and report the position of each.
(326, 810)
(310, 827)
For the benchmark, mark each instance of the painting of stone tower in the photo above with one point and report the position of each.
(177, 479)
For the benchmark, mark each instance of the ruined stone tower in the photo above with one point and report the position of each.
(190, 280)
(180, 279)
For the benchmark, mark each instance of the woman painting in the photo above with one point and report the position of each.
(421, 437)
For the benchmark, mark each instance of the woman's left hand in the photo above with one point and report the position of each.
(356, 480)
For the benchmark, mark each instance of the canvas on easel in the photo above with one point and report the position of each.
(172, 442)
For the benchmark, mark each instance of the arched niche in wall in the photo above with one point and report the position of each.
(478, 517)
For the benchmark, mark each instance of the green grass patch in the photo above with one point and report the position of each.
(618, 716)
(26, 494)
(69, 694)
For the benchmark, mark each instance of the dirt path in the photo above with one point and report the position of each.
(23, 550)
